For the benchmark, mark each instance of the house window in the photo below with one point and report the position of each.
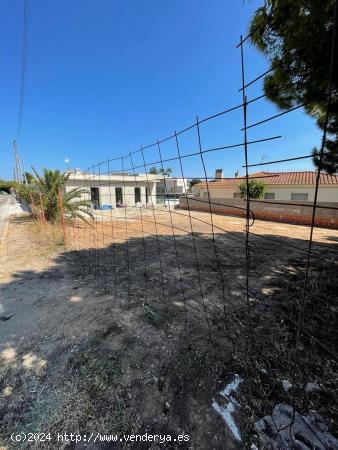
(118, 196)
(95, 197)
(269, 196)
(237, 195)
(137, 195)
(296, 196)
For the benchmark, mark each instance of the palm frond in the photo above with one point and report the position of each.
(74, 201)
(76, 193)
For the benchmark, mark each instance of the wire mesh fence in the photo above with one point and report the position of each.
(266, 291)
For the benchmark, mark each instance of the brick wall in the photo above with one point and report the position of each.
(282, 211)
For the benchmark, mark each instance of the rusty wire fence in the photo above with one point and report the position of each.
(267, 294)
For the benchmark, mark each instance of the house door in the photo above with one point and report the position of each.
(118, 196)
(95, 197)
(147, 195)
(137, 195)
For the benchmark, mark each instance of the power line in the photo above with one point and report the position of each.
(24, 59)
(19, 165)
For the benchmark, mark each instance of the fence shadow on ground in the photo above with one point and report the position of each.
(150, 282)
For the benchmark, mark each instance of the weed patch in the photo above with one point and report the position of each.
(152, 317)
(96, 374)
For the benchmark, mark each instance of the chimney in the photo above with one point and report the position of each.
(219, 173)
(236, 174)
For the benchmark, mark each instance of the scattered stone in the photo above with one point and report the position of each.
(286, 385)
(312, 387)
(286, 428)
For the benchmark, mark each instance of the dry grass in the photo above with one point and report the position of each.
(50, 236)
(83, 398)
(21, 380)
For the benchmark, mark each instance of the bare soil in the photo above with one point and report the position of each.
(125, 331)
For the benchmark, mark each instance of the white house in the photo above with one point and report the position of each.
(115, 189)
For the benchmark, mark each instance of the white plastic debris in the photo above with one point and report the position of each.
(229, 407)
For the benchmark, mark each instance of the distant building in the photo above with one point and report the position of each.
(283, 186)
(172, 185)
(115, 189)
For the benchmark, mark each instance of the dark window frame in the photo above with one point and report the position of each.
(301, 194)
(118, 195)
(269, 198)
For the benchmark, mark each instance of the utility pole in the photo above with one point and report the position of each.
(16, 172)
(24, 178)
(18, 177)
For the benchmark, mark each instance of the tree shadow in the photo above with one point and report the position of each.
(189, 276)
(332, 238)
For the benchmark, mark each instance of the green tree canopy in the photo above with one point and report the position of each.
(7, 185)
(256, 189)
(194, 181)
(296, 36)
(29, 178)
(153, 171)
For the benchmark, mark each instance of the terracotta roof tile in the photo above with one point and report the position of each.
(277, 178)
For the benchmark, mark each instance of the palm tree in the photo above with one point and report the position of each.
(153, 171)
(192, 182)
(256, 189)
(50, 185)
(165, 172)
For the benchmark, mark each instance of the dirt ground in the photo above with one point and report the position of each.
(127, 331)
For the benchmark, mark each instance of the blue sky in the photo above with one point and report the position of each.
(105, 77)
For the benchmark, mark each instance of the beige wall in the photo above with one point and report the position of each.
(325, 193)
